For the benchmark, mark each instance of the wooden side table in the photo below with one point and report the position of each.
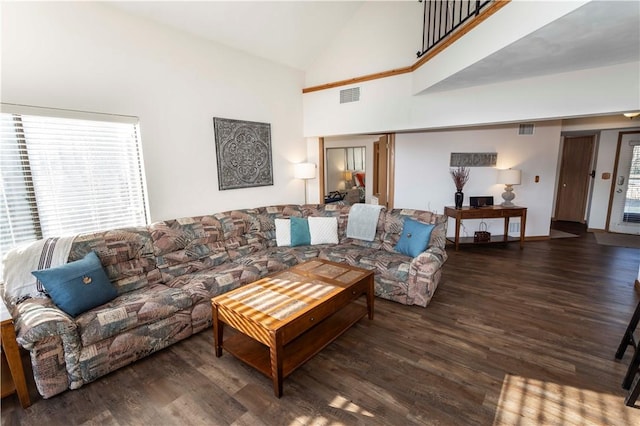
(15, 381)
(490, 212)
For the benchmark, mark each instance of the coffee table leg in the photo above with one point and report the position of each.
(218, 328)
(275, 352)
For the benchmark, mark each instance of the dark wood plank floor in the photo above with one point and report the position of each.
(513, 337)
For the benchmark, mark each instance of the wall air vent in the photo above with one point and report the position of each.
(350, 95)
(526, 129)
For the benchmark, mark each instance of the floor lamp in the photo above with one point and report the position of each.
(304, 171)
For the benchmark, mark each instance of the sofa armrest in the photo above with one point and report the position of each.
(425, 271)
(38, 318)
(431, 254)
(52, 338)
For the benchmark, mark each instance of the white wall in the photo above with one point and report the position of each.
(388, 105)
(381, 36)
(91, 57)
(423, 180)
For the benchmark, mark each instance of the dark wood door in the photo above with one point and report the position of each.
(575, 175)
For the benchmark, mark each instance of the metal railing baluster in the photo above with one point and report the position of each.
(439, 20)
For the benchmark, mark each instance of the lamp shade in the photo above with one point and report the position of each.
(304, 171)
(509, 177)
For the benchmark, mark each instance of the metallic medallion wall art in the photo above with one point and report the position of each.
(473, 159)
(243, 153)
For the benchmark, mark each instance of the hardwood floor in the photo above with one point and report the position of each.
(513, 337)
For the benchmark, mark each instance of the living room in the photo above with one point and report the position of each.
(175, 83)
(90, 56)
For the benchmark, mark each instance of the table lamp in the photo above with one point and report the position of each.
(508, 177)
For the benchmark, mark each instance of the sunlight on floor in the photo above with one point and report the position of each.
(345, 404)
(338, 402)
(525, 400)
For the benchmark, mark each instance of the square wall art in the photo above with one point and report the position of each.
(243, 153)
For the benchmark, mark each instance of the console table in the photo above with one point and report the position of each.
(489, 212)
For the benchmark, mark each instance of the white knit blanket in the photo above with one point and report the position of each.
(18, 263)
(363, 220)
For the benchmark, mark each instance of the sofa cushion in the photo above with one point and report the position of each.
(283, 232)
(300, 235)
(414, 238)
(267, 215)
(239, 222)
(242, 232)
(323, 230)
(346, 253)
(304, 253)
(131, 310)
(394, 221)
(390, 265)
(126, 255)
(102, 357)
(270, 260)
(77, 286)
(188, 244)
(220, 279)
(340, 212)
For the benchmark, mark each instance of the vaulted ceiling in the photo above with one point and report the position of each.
(294, 32)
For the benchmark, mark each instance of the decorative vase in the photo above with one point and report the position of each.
(459, 197)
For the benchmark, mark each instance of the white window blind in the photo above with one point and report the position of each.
(64, 176)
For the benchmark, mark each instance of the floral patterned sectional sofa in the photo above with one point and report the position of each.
(165, 275)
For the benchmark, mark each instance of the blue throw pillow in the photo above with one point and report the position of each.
(300, 235)
(415, 237)
(77, 286)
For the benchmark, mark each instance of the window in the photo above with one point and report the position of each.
(631, 213)
(65, 172)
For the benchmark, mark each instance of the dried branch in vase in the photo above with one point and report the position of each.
(460, 177)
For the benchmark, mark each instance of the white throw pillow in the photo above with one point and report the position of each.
(283, 232)
(323, 230)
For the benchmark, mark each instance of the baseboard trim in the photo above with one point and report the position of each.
(538, 238)
(596, 230)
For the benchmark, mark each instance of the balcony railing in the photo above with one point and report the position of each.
(443, 17)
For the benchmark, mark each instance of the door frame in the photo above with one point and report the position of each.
(391, 169)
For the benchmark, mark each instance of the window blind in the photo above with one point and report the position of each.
(64, 176)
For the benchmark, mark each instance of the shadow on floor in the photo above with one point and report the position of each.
(575, 228)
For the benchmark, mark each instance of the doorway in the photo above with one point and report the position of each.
(624, 203)
(377, 183)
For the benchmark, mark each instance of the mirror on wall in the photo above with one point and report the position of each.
(345, 177)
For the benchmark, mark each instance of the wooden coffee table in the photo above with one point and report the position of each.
(286, 318)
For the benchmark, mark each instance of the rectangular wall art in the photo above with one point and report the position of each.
(243, 153)
(473, 159)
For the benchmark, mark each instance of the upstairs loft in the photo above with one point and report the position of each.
(522, 61)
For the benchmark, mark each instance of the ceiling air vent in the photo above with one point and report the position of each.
(350, 95)
(525, 129)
